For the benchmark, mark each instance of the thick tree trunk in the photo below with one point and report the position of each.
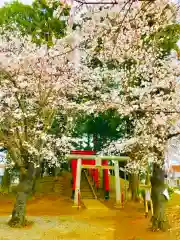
(134, 187)
(24, 188)
(159, 221)
(6, 181)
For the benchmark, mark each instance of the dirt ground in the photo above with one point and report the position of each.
(55, 218)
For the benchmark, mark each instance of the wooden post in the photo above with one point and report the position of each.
(125, 187)
(117, 182)
(73, 171)
(98, 164)
(78, 180)
(106, 179)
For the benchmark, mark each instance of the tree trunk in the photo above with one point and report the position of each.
(159, 221)
(42, 167)
(134, 186)
(89, 139)
(95, 142)
(23, 189)
(37, 173)
(6, 181)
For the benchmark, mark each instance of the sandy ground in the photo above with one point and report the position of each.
(51, 228)
(54, 218)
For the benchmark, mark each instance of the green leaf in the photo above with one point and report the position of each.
(36, 20)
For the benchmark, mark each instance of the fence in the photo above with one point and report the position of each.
(173, 182)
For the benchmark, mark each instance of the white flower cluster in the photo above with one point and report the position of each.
(36, 84)
(115, 64)
(134, 77)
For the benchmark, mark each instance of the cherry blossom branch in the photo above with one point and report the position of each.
(97, 2)
(108, 2)
(119, 28)
(10, 78)
(173, 135)
(156, 111)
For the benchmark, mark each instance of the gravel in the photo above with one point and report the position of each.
(53, 228)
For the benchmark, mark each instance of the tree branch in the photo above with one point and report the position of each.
(96, 2)
(10, 78)
(106, 3)
(173, 135)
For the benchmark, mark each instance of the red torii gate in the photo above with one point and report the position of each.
(93, 172)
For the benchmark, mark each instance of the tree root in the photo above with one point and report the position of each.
(158, 225)
(15, 223)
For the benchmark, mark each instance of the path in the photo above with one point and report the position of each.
(60, 221)
(174, 216)
(93, 204)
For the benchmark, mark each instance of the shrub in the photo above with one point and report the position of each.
(170, 191)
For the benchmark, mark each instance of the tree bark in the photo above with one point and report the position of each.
(6, 181)
(95, 142)
(37, 173)
(42, 167)
(23, 190)
(134, 187)
(159, 221)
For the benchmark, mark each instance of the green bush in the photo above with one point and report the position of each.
(170, 191)
(142, 193)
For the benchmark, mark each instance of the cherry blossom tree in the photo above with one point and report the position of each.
(110, 61)
(37, 83)
(136, 79)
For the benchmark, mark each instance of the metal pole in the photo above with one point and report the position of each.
(78, 180)
(117, 182)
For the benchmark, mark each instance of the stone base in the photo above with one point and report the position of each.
(75, 206)
(118, 206)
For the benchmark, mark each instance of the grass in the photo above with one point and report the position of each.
(175, 200)
(43, 186)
